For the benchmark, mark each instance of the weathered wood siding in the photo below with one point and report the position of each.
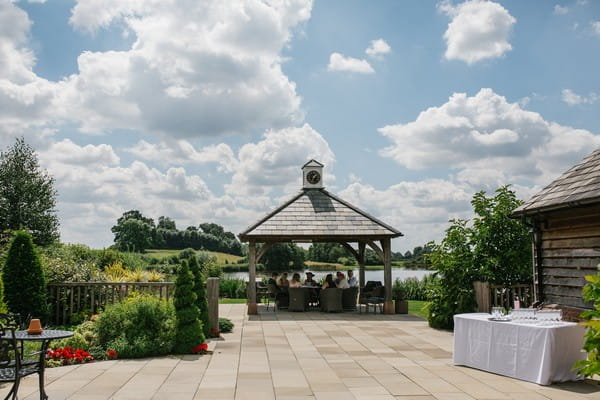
(570, 251)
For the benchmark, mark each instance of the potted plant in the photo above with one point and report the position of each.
(399, 295)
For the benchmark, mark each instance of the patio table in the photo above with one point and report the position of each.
(534, 353)
(47, 336)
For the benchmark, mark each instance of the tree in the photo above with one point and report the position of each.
(166, 223)
(453, 292)
(493, 248)
(502, 246)
(283, 256)
(133, 231)
(23, 277)
(27, 195)
(189, 328)
(200, 291)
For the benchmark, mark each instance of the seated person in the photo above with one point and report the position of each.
(341, 281)
(283, 281)
(273, 279)
(352, 281)
(309, 280)
(329, 283)
(296, 281)
(281, 296)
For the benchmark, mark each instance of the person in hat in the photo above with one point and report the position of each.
(309, 280)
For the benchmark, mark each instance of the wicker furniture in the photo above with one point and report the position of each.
(349, 297)
(331, 300)
(298, 299)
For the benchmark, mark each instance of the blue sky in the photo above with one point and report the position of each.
(205, 111)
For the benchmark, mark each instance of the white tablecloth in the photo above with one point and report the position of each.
(540, 354)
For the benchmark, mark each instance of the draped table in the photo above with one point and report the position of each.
(540, 354)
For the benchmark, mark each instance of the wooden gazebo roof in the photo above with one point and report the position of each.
(580, 185)
(317, 215)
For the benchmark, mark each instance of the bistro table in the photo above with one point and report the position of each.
(542, 354)
(47, 336)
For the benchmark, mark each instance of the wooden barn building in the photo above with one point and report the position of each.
(565, 225)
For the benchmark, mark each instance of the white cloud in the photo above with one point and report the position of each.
(485, 134)
(183, 152)
(339, 62)
(378, 48)
(420, 210)
(596, 27)
(194, 69)
(559, 10)
(275, 161)
(572, 98)
(479, 30)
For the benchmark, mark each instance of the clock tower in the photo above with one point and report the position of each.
(312, 175)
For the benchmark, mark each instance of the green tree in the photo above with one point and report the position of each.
(200, 291)
(501, 245)
(283, 256)
(23, 277)
(453, 292)
(166, 223)
(27, 195)
(492, 248)
(133, 232)
(189, 328)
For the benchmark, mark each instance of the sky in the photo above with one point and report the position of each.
(205, 111)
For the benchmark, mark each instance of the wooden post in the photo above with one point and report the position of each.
(361, 264)
(388, 305)
(252, 307)
(212, 292)
(482, 296)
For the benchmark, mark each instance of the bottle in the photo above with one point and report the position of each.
(517, 303)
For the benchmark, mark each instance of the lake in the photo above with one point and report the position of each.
(369, 275)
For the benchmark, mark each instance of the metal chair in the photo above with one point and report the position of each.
(13, 367)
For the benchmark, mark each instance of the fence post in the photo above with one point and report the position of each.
(482, 296)
(212, 290)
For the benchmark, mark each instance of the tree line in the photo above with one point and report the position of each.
(136, 232)
(336, 253)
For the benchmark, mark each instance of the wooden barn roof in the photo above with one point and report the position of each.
(580, 185)
(317, 215)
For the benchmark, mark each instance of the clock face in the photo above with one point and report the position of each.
(313, 177)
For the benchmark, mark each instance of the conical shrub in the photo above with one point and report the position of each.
(189, 328)
(200, 291)
(23, 277)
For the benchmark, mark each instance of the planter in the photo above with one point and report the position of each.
(401, 306)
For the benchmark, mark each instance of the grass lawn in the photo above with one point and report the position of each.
(418, 308)
(222, 258)
(232, 301)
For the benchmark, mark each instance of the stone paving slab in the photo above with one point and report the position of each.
(301, 356)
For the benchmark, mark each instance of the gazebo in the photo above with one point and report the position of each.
(315, 215)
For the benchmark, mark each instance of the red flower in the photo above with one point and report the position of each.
(111, 355)
(201, 348)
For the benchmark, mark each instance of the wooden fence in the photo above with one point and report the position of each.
(66, 299)
(489, 296)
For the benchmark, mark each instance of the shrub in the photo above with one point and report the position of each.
(200, 290)
(225, 325)
(413, 288)
(232, 288)
(189, 331)
(24, 281)
(591, 293)
(139, 326)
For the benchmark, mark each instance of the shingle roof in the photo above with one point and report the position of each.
(316, 213)
(579, 185)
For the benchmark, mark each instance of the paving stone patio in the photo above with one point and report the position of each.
(293, 356)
